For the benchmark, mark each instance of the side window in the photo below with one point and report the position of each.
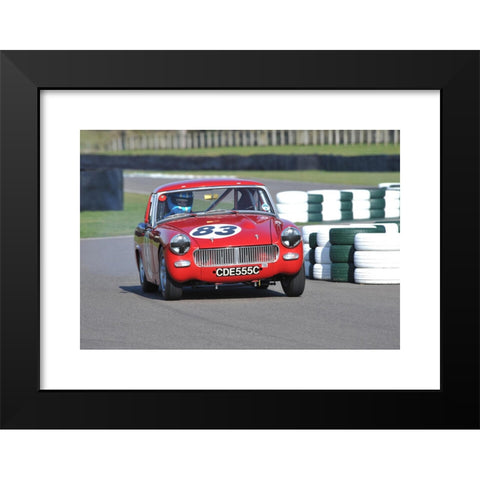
(153, 209)
(160, 211)
(146, 218)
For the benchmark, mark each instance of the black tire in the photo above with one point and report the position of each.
(147, 286)
(315, 208)
(315, 217)
(169, 289)
(343, 272)
(377, 203)
(377, 213)
(342, 253)
(294, 285)
(315, 198)
(346, 196)
(377, 193)
(347, 215)
(346, 235)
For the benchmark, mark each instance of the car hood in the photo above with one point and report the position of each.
(211, 231)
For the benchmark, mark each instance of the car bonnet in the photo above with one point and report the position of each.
(237, 229)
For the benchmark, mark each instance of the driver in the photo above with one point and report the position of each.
(179, 202)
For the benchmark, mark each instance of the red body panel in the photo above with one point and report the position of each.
(216, 231)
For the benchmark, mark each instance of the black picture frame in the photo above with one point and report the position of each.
(24, 74)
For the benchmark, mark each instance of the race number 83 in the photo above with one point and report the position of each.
(215, 231)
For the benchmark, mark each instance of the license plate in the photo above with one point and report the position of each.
(237, 271)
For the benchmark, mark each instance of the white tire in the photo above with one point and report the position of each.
(306, 249)
(361, 214)
(292, 196)
(389, 185)
(331, 209)
(332, 216)
(322, 255)
(389, 227)
(392, 213)
(323, 234)
(392, 203)
(377, 276)
(307, 230)
(376, 259)
(322, 271)
(377, 241)
(328, 195)
(361, 225)
(292, 207)
(300, 217)
(323, 238)
(361, 205)
(331, 205)
(392, 195)
(359, 194)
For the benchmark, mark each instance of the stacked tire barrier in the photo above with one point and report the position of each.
(316, 240)
(340, 205)
(334, 205)
(377, 258)
(315, 206)
(392, 199)
(293, 205)
(367, 253)
(368, 203)
(342, 250)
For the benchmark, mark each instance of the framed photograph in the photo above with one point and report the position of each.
(152, 296)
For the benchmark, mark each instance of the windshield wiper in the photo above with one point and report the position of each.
(220, 210)
(178, 215)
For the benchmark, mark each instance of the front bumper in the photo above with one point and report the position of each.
(239, 269)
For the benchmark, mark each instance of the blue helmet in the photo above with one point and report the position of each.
(180, 202)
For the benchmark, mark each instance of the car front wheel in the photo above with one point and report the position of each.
(169, 288)
(293, 285)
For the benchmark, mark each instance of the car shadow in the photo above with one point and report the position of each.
(207, 292)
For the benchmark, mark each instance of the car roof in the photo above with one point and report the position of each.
(206, 182)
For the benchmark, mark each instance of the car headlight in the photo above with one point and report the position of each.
(291, 237)
(180, 244)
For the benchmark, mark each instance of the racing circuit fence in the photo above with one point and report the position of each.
(124, 140)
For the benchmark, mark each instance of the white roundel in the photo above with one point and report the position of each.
(266, 207)
(219, 230)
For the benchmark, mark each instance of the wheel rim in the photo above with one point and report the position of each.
(163, 273)
(141, 270)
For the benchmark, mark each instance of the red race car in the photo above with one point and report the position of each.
(216, 232)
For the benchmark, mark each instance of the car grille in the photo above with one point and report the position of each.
(218, 257)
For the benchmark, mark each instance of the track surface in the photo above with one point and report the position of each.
(116, 314)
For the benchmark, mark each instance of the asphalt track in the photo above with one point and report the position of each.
(116, 314)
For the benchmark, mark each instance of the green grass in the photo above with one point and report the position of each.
(114, 223)
(315, 176)
(345, 150)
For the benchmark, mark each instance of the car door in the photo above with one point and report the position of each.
(149, 259)
(154, 238)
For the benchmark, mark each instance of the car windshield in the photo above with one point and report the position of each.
(225, 200)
